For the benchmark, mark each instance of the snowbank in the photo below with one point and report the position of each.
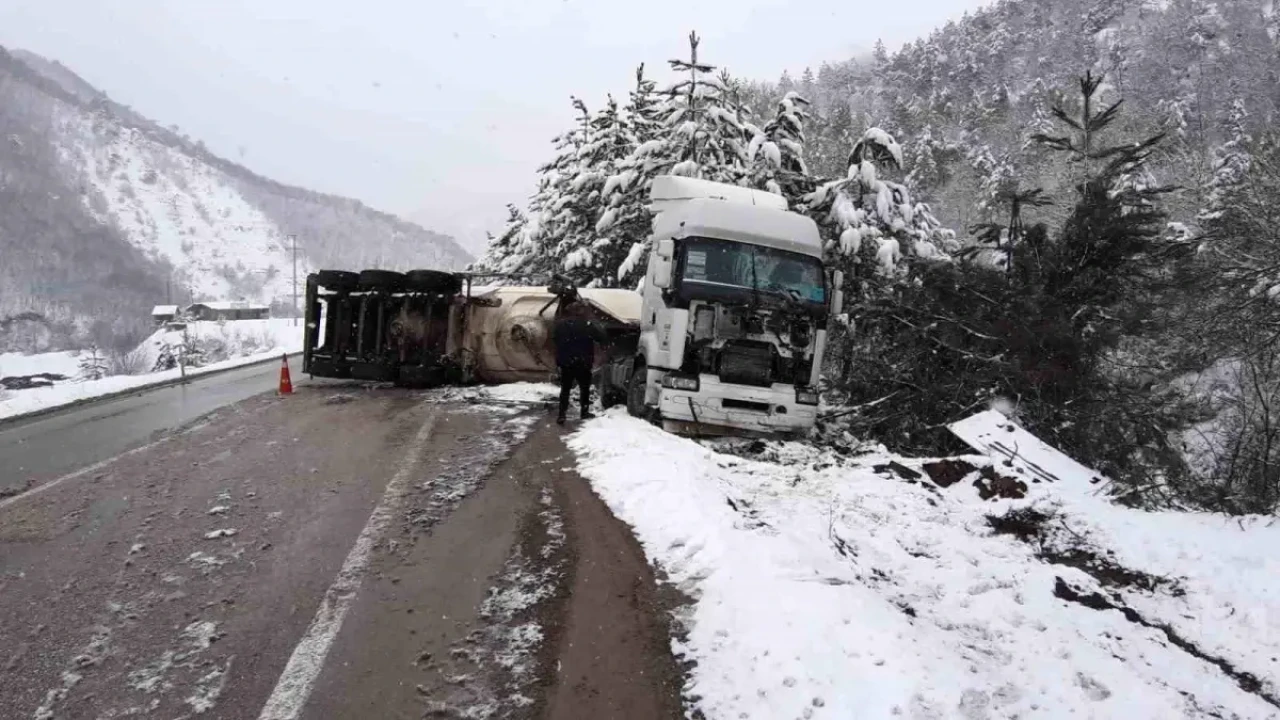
(66, 363)
(825, 586)
(245, 342)
(223, 341)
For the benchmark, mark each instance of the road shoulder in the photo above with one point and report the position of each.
(613, 644)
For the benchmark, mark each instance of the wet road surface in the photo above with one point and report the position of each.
(345, 552)
(36, 450)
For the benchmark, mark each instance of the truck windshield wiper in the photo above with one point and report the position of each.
(790, 292)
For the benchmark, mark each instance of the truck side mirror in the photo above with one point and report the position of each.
(661, 272)
(662, 263)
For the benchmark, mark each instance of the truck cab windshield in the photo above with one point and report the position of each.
(724, 264)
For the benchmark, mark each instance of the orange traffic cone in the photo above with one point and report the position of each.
(286, 386)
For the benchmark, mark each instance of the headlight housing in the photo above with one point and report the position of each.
(806, 396)
(681, 382)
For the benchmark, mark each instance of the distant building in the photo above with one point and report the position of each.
(162, 314)
(228, 310)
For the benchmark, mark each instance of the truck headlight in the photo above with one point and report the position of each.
(807, 397)
(681, 382)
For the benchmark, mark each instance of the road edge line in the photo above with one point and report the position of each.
(293, 688)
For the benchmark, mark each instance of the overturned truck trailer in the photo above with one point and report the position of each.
(427, 328)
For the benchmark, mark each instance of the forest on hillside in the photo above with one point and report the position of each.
(1062, 208)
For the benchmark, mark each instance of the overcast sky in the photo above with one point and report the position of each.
(439, 111)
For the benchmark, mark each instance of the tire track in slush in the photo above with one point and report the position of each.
(294, 686)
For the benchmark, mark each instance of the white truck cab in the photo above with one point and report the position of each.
(734, 312)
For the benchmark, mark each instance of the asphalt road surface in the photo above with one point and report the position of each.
(345, 552)
(45, 447)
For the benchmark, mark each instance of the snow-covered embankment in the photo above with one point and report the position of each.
(830, 586)
(225, 345)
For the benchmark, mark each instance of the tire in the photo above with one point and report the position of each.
(433, 281)
(636, 390)
(382, 280)
(337, 280)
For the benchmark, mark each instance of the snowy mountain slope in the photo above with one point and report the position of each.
(102, 209)
(826, 586)
(180, 211)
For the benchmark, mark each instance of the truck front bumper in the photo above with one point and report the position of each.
(737, 407)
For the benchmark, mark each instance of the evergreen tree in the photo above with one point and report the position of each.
(1232, 162)
(925, 173)
(873, 219)
(93, 364)
(880, 56)
(550, 213)
(508, 252)
(643, 112)
(625, 219)
(1105, 251)
(593, 256)
(777, 151)
(700, 136)
(701, 133)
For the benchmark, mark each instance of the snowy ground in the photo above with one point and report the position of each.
(832, 586)
(237, 343)
(66, 364)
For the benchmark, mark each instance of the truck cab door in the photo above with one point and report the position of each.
(663, 328)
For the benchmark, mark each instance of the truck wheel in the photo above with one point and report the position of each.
(636, 390)
(337, 280)
(434, 281)
(388, 280)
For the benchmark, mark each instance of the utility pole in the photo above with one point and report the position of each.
(294, 240)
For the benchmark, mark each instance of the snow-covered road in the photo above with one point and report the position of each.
(833, 586)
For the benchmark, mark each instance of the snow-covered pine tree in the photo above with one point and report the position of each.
(925, 173)
(702, 136)
(1232, 161)
(594, 256)
(569, 220)
(93, 364)
(508, 251)
(776, 152)
(643, 111)
(869, 218)
(548, 212)
(625, 219)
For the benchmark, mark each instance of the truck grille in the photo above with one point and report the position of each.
(747, 363)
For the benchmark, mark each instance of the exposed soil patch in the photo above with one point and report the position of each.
(1026, 524)
(992, 485)
(945, 473)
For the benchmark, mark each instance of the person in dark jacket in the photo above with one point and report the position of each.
(575, 337)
